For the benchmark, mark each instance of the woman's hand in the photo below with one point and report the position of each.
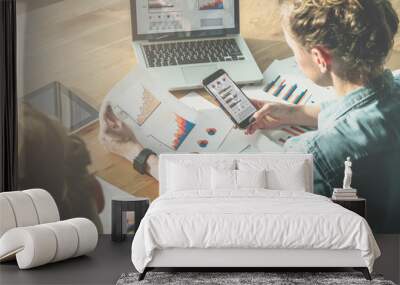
(116, 136)
(270, 115)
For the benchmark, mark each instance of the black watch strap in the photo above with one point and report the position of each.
(139, 163)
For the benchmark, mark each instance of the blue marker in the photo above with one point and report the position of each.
(298, 99)
(290, 92)
(271, 84)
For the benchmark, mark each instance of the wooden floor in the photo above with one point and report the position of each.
(86, 45)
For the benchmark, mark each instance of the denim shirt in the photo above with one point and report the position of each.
(364, 125)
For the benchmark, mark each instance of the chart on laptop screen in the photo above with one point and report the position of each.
(161, 4)
(167, 16)
(210, 5)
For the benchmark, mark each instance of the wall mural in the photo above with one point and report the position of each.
(87, 109)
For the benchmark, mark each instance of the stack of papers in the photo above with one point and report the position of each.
(163, 123)
(344, 194)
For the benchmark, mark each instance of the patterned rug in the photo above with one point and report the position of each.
(243, 278)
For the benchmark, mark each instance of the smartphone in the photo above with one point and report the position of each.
(231, 98)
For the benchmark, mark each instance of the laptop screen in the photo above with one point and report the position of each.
(153, 19)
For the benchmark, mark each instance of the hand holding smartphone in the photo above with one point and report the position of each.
(231, 98)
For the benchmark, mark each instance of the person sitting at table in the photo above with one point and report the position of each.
(344, 44)
(51, 159)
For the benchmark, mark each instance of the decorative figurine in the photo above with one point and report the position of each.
(348, 173)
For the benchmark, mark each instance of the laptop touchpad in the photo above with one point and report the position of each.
(196, 74)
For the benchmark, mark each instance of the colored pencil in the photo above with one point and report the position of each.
(290, 92)
(271, 84)
(298, 99)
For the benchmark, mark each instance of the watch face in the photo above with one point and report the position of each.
(138, 164)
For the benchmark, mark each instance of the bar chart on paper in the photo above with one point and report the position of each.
(288, 92)
(284, 82)
(283, 134)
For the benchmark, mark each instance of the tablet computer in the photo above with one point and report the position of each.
(58, 102)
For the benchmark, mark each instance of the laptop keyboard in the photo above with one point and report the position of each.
(191, 52)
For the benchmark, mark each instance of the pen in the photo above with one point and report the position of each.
(298, 99)
(271, 84)
(279, 89)
(290, 92)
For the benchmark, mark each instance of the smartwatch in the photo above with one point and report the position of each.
(139, 163)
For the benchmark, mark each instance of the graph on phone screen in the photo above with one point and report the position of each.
(231, 98)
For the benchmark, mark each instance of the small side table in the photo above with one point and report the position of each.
(358, 206)
(120, 209)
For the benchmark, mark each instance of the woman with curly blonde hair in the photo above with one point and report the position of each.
(344, 44)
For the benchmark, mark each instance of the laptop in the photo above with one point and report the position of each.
(184, 41)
